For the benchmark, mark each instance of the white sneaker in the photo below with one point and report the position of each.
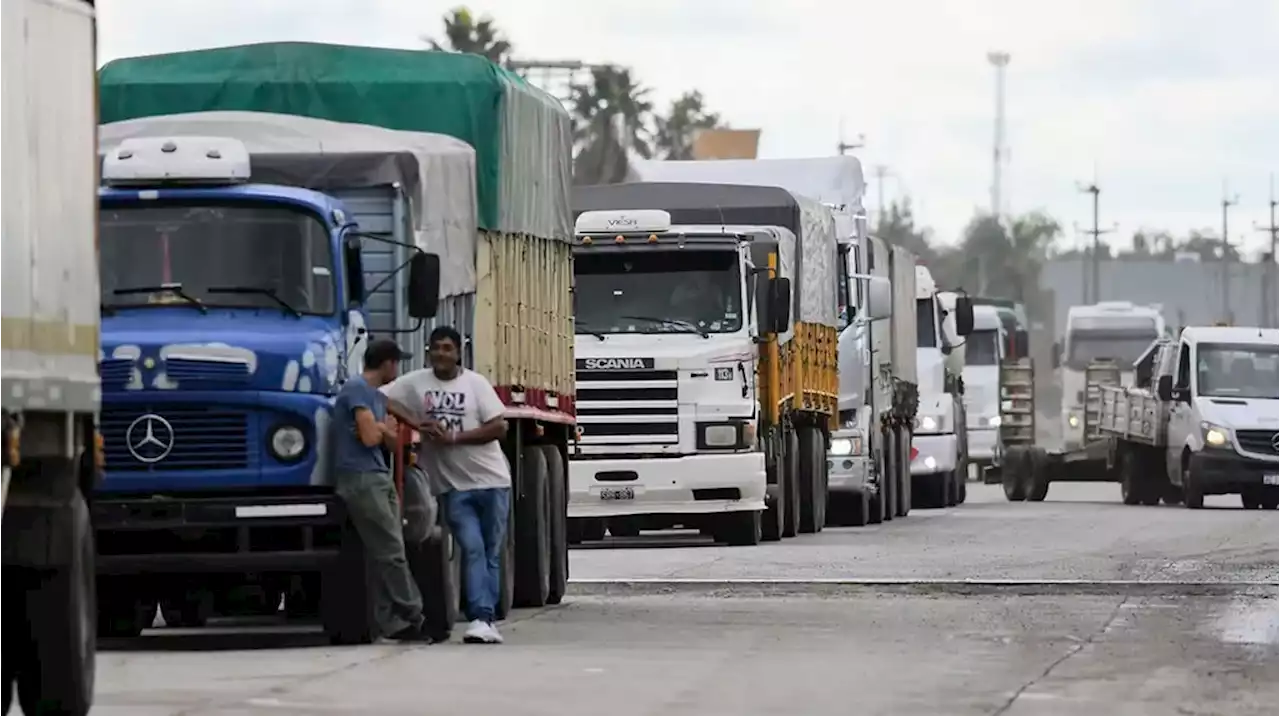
(479, 632)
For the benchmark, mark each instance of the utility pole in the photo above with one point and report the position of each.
(881, 172)
(1270, 281)
(1096, 233)
(998, 60)
(1227, 203)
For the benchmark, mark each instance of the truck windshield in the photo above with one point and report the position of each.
(682, 291)
(283, 251)
(1122, 345)
(1237, 370)
(982, 348)
(926, 331)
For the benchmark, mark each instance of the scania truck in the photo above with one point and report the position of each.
(868, 458)
(706, 388)
(939, 443)
(48, 372)
(248, 257)
(1118, 331)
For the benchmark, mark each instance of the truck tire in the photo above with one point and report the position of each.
(904, 472)
(1012, 475)
(1192, 494)
(623, 527)
(739, 529)
(774, 527)
(435, 565)
(1269, 498)
(591, 529)
(507, 570)
(346, 604)
(533, 531)
(1037, 462)
(50, 634)
(963, 490)
(845, 509)
(889, 479)
(813, 487)
(558, 506)
(791, 474)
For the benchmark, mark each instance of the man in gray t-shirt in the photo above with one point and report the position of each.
(461, 420)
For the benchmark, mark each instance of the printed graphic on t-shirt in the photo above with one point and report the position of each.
(445, 407)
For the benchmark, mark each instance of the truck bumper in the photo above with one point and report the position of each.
(849, 474)
(982, 445)
(933, 454)
(1229, 474)
(693, 484)
(139, 535)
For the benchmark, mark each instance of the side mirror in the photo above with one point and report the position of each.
(879, 299)
(779, 305)
(964, 315)
(1164, 388)
(1020, 347)
(424, 285)
(1057, 355)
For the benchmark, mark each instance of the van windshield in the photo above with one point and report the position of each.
(260, 249)
(1238, 370)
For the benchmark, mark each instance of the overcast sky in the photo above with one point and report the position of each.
(1163, 99)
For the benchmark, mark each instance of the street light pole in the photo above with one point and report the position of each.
(1270, 283)
(1095, 190)
(1227, 203)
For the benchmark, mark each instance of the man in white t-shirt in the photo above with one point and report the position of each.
(460, 417)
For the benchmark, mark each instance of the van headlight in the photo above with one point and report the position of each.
(288, 443)
(1215, 436)
(733, 435)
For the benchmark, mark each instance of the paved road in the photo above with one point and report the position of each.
(662, 640)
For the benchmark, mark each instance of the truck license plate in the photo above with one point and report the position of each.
(618, 493)
(1271, 479)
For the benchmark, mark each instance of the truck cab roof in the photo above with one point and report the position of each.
(302, 198)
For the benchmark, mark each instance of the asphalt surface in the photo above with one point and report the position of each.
(1077, 605)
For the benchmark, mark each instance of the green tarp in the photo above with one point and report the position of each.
(522, 136)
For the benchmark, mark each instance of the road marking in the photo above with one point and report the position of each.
(1254, 622)
(784, 586)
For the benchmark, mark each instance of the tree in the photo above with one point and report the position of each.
(464, 33)
(611, 116)
(676, 132)
(1006, 256)
(897, 226)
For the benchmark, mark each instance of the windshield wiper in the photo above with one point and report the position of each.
(174, 288)
(578, 324)
(259, 291)
(672, 321)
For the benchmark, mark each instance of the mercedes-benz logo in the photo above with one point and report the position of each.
(1275, 442)
(149, 438)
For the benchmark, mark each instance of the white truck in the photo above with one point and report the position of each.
(700, 402)
(985, 349)
(877, 376)
(1200, 419)
(49, 374)
(1117, 331)
(939, 444)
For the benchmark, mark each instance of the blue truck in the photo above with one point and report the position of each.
(246, 260)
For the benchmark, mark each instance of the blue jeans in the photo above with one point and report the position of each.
(478, 520)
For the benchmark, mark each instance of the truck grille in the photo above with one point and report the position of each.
(1257, 441)
(204, 438)
(206, 371)
(628, 407)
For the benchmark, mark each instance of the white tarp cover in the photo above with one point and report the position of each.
(835, 181)
(819, 282)
(441, 188)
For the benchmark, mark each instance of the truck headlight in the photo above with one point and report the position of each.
(842, 446)
(993, 421)
(724, 436)
(1073, 420)
(1215, 435)
(928, 423)
(288, 443)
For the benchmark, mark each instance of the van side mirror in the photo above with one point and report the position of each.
(1057, 355)
(424, 285)
(779, 313)
(964, 315)
(1164, 388)
(879, 299)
